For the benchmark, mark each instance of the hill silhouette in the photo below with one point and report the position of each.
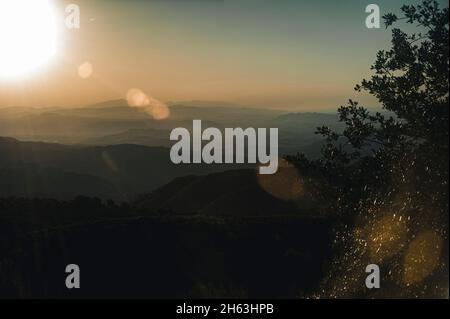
(231, 193)
(32, 181)
(124, 171)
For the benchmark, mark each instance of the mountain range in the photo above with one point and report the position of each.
(113, 122)
(116, 171)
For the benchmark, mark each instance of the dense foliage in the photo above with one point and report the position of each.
(392, 164)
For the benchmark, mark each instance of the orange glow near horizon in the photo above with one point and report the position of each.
(121, 45)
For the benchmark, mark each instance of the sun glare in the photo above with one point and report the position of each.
(27, 36)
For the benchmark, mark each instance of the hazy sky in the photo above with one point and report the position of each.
(297, 54)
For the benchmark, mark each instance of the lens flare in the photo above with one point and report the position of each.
(153, 107)
(85, 70)
(285, 184)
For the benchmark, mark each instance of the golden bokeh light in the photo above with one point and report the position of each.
(387, 236)
(85, 70)
(422, 257)
(137, 98)
(153, 107)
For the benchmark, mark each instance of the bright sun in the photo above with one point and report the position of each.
(27, 36)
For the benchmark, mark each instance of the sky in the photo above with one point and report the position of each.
(287, 54)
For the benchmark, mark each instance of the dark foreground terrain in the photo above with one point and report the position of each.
(157, 256)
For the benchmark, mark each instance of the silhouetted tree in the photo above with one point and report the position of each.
(404, 148)
(392, 163)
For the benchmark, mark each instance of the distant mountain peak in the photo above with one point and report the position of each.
(204, 103)
(110, 103)
(6, 139)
